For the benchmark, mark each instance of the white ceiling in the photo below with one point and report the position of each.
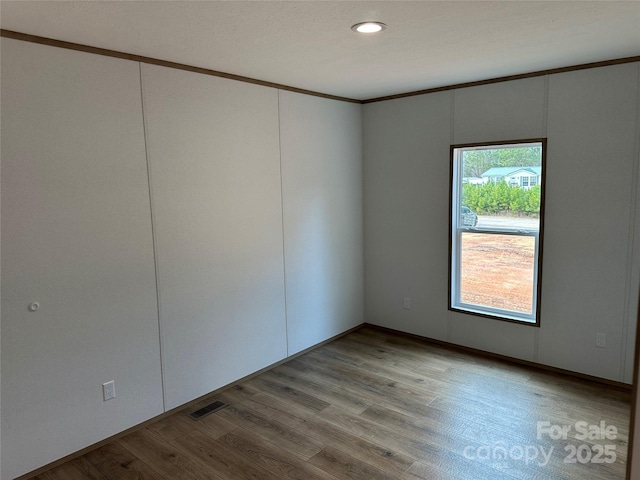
(309, 44)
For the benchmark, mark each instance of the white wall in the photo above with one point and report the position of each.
(590, 258)
(632, 332)
(215, 181)
(76, 237)
(322, 199)
(87, 230)
(406, 217)
(592, 124)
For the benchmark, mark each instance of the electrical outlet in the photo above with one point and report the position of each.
(108, 390)
(407, 303)
(601, 340)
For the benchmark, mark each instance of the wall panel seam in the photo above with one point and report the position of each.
(284, 250)
(153, 240)
(544, 132)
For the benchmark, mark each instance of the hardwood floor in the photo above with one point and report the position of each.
(374, 406)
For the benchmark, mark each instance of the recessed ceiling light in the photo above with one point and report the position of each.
(368, 27)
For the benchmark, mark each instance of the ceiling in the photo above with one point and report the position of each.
(309, 44)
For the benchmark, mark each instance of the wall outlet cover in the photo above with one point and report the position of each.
(108, 390)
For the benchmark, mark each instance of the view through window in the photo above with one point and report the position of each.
(496, 219)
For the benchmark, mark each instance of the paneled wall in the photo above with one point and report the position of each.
(214, 163)
(322, 198)
(591, 266)
(406, 215)
(76, 239)
(591, 251)
(142, 209)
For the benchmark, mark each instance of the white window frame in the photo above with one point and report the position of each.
(458, 228)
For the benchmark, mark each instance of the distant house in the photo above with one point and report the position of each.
(523, 177)
(473, 180)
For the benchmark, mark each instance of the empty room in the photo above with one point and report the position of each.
(319, 240)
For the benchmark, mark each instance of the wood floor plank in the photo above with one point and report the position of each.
(444, 433)
(270, 384)
(331, 381)
(412, 370)
(231, 395)
(118, 463)
(179, 424)
(272, 430)
(238, 393)
(397, 348)
(327, 433)
(468, 361)
(434, 450)
(345, 466)
(573, 391)
(387, 437)
(372, 387)
(164, 457)
(216, 457)
(313, 385)
(215, 426)
(277, 460)
(77, 469)
(276, 409)
(173, 426)
(420, 471)
(361, 350)
(453, 442)
(418, 354)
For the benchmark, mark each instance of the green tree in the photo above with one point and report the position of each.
(501, 198)
(476, 162)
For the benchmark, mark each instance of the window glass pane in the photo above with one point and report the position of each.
(497, 271)
(506, 221)
(502, 186)
(496, 197)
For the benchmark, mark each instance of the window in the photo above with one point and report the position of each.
(496, 229)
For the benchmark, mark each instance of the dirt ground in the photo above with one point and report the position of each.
(497, 271)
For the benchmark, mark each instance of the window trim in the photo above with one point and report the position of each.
(488, 312)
